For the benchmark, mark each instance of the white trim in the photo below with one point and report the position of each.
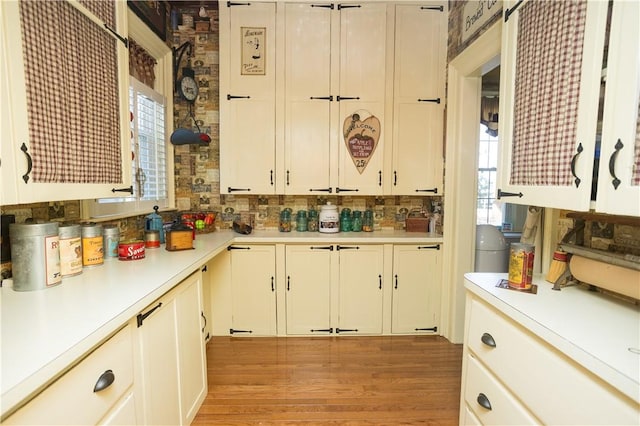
(463, 105)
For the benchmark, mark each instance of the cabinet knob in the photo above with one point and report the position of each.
(488, 340)
(104, 381)
(483, 401)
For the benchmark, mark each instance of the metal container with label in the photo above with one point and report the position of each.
(35, 255)
(92, 245)
(111, 239)
(70, 249)
(521, 266)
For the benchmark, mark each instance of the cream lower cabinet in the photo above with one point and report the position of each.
(253, 290)
(97, 390)
(360, 304)
(511, 376)
(417, 272)
(171, 355)
(308, 289)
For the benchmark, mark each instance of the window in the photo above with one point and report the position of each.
(489, 210)
(151, 125)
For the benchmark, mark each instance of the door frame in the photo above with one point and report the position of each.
(464, 86)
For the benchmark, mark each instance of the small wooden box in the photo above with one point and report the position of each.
(416, 224)
(179, 240)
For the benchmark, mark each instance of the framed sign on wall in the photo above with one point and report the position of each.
(253, 50)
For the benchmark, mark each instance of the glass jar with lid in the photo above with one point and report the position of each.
(312, 221)
(301, 221)
(367, 221)
(285, 220)
(356, 221)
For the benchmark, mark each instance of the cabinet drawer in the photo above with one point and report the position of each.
(552, 386)
(71, 399)
(482, 387)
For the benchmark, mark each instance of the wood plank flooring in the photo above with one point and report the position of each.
(399, 380)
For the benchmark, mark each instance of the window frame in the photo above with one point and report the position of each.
(163, 54)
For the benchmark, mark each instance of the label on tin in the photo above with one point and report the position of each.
(52, 259)
(92, 251)
(521, 268)
(70, 256)
(131, 250)
(111, 245)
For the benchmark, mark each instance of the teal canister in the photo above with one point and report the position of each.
(35, 255)
(356, 221)
(345, 220)
(285, 220)
(154, 223)
(302, 221)
(111, 240)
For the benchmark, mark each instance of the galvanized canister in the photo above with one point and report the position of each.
(111, 236)
(521, 266)
(70, 249)
(35, 255)
(92, 245)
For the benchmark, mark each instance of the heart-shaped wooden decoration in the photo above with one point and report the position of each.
(361, 138)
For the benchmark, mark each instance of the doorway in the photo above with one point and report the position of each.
(464, 86)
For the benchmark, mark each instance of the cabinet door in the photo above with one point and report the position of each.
(360, 298)
(159, 363)
(619, 171)
(418, 99)
(253, 290)
(191, 347)
(549, 102)
(417, 272)
(247, 98)
(308, 289)
(61, 142)
(307, 98)
(362, 89)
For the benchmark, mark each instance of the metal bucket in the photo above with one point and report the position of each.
(35, 255)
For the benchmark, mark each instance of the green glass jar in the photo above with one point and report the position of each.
(312, 221)
(345, 220)
(367, 221)
(285, 220)
(301, 221)
(356, 221)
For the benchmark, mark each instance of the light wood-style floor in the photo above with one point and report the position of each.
(399, 380)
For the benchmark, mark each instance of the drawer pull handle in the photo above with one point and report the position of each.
(487, 339)
(484, 401)
(104, 381)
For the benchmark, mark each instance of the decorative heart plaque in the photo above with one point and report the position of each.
(361, 138)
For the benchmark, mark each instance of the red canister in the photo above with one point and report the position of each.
(131, 250)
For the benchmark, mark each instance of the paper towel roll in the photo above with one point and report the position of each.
(615, 278)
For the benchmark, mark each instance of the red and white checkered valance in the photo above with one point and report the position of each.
(71, 74)
(547, 85)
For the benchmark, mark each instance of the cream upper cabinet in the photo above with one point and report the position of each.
(253, 290)
(360, 289)
(417, 271)
(418, 99)
(247, 97)
(549, 101)
(308, 289)
(65, 127)
(308, 98)
(619, 171)
(364, 76)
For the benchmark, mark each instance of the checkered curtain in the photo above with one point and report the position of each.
(141, 64)
(548, 62)
(72, 92)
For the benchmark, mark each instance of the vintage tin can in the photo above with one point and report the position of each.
(521, 266)
(70, 249)
(152, 239)
(35, 255)
(131, 250)
(92, 245)
(111, 237)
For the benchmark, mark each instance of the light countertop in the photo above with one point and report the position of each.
(44, 332)
(595, 330)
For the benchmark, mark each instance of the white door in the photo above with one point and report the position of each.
(308, 99)
(308, 289)
(418, 99)
(363, 79)
(619, 172)
(247, 98)
(361, 289)
(253, 290)
(417, 273)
